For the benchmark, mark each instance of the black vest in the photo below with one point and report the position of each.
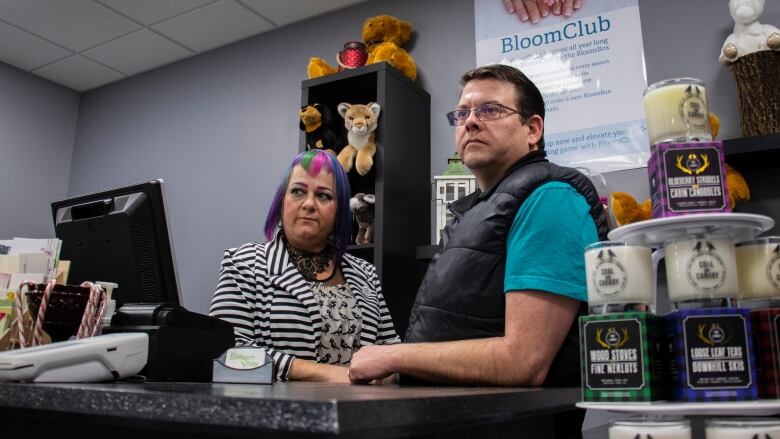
(462, 294)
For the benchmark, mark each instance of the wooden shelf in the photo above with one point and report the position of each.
(400, 177)
(751, 145)
(758, 160)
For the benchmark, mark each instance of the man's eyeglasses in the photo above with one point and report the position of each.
(483, 112)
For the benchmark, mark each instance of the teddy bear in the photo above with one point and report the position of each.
(384, 35)
(362, 206)
(316, 122)
(361, 122)
(627, 210)
(749, 35)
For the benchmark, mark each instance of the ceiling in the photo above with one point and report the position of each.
(83, 44)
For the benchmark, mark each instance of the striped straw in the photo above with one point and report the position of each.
(38, 327)
(20, 337)
(99, 315)
(89, 321)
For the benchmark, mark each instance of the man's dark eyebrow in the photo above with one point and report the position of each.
(492, 101)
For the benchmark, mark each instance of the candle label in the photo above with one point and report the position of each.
(693, 179)
(609, 275)
(717, 352)
(705, 269)
(773, 268)
(693, 107)
(713, 355)
(687, 178)
(621, 358)
(614, 348)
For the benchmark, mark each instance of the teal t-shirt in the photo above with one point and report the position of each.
(546, 244)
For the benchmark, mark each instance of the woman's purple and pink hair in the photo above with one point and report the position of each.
(315, 161)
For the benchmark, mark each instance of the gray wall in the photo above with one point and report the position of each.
(684, 38)
(221, 127)
(37, 127)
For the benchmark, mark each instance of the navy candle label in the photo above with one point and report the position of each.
(693, 179)
(716, 351)
(613, 354)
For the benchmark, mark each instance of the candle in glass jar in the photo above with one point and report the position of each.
(618, 273)
(701, 267)
(676, 111)
(653, 428)
(758, 265)
(744, 428)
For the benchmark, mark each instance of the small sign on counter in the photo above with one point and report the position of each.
(248, 365)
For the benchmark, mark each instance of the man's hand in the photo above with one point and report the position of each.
(536, 325)
(371, 362)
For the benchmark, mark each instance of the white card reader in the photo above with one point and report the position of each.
(92, 359)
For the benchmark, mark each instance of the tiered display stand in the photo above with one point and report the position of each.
(742, 227)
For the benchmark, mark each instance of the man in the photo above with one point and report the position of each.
(499, 301)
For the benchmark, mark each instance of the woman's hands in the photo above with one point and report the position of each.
(305, 370)
(535, 10)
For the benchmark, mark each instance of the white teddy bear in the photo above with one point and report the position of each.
(749, 35)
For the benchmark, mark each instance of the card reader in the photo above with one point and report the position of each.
(93, 359)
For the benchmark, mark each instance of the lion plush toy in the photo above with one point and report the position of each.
(361, 122)
(383, 35)
(362, 206)
(316, 122)
(627, 210)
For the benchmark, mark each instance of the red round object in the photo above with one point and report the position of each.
(353, 56)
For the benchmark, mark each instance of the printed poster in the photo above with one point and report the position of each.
(590, 70)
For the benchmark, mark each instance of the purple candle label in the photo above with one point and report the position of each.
(687, 178)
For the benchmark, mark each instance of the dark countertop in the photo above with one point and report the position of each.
(283, 409)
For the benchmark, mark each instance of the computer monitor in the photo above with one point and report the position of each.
(120, 235)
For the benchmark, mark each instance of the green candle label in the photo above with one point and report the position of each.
(613, 358)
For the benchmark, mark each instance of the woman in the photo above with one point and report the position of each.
(299, 296)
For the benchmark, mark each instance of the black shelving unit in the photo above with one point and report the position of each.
(400, 177)
(758, 160)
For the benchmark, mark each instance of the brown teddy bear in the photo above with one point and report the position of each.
(316, 122)
(627, 210)
(384, 35)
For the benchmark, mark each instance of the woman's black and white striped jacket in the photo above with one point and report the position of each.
(271, 305)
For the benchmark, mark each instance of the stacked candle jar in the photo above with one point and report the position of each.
(709, 335)
(621, 340)
(654, 427)
(758, 267)
(686, 168)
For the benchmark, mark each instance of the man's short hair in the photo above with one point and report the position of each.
(529, 98)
